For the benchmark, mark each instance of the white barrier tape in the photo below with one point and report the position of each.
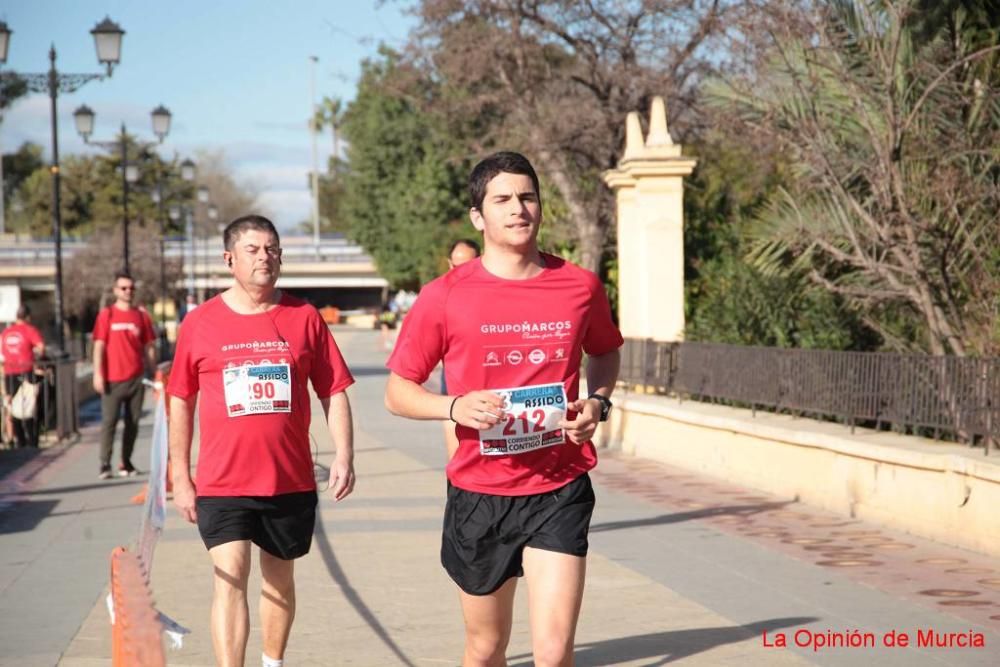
(174, 630)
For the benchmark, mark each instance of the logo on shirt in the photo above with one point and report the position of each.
(514, 357)
(13, 342)
(257, 346)
(492, 359)
(529, 330)
(536, 356)
(125, 326)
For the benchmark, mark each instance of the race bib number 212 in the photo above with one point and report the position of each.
(531, 421)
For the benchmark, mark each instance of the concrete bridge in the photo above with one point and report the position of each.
(335, 272)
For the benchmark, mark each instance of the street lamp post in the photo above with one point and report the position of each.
(212, 213)
(157, 196)
(108, 42)
(84, 117)
(178, 211)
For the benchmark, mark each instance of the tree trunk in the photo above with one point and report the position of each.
(586, 215)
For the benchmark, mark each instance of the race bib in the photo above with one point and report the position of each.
(531, 421)
(256, 389)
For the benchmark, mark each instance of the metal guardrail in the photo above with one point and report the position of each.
(58, 409)
(953, 397)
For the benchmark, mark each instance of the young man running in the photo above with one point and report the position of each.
(250, 353)
(512, 328)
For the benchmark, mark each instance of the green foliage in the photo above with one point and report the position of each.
(12, 87)
(731, 302)
(403, 198)
(331, 197)
(729, 185)
(890, 121)
(91, 191)
(19, 165)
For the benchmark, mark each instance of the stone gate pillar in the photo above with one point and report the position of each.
(649, 189)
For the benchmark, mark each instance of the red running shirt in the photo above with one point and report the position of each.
(494, 333)
(17, 345)
(125, 333)
(267, 453)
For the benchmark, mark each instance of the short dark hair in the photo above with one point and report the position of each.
(502, 162)
(123, 274)
(466, 242)
(23, 311)
(245, 223)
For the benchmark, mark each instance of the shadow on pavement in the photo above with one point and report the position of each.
(51, 490)
(678, 517)
(25, 515)
(666, 647)
(352, 596)
(367, 371)
(12, 459)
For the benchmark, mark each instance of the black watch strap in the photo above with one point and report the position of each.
(605, 405)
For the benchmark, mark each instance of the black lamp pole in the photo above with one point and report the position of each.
(107, 38)
(124, 157)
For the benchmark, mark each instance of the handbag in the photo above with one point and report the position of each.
(25, 401)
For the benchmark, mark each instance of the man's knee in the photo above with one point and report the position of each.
(231, 566)
(486, 646)
(552, 650)
(485, 650)
(277, 574)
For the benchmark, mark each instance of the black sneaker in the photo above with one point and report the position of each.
(105, 472)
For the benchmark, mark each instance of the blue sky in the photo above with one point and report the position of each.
(234, 74)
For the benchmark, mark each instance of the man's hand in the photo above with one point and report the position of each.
(341, 479)
(99, 383)
(581, 429)
(184, 499)
(480, 410)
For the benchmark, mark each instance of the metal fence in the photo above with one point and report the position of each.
(952, 397)
(57, 412)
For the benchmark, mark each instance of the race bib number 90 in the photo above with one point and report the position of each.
(531, 421)
(253, 390)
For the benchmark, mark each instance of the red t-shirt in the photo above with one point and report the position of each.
(17, 345)
(243, 452)
(125, 333)
(494, 333)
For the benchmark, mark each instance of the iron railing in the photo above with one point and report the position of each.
(57, 413)
(951, 397)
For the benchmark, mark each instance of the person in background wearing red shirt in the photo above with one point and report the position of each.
(512, 328)
(19, 344)
(124, 351)
(250, 353)
(462, 251)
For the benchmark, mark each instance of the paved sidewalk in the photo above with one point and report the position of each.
(683, 568)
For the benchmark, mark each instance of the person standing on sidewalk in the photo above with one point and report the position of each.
(250, 354)
(512, 328)
(124, 353)
(20, 343)
(462, 251)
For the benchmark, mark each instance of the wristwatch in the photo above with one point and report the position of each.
(605, 405)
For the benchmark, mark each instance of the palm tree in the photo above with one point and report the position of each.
(330, 113)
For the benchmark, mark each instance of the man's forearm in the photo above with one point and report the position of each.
(406, 398)
(180, 432)
(340, 423)
(151, 359)
(98, 356)
(602, 373)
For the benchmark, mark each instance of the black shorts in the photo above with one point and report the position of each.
(484, 535)
(280, 525)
